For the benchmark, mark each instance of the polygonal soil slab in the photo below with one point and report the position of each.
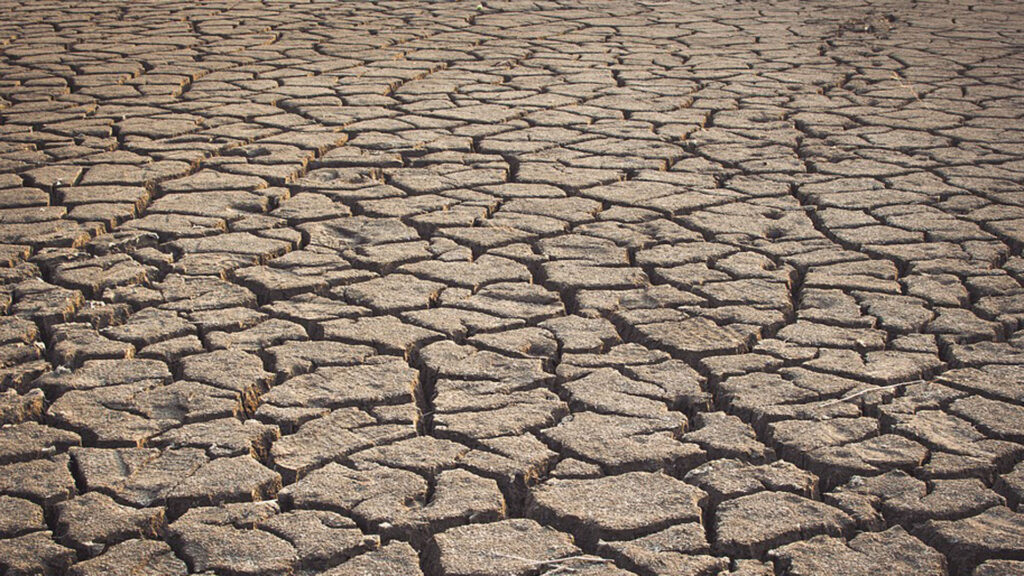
(256, 539)
(996, 533)
(616, 507)
(515, 547)
(892, 552)
(135, 558)
(395, 558)
(626, 443)
(749, 526)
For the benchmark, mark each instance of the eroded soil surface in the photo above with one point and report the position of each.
(510, 288)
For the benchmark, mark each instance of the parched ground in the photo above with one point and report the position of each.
(512, 288)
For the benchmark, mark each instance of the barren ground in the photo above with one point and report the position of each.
(512, 288)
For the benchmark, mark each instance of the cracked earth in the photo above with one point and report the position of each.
(511, 288)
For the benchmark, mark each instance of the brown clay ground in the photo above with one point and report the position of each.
(512, 288)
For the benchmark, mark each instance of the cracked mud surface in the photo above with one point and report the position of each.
(511, 288)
